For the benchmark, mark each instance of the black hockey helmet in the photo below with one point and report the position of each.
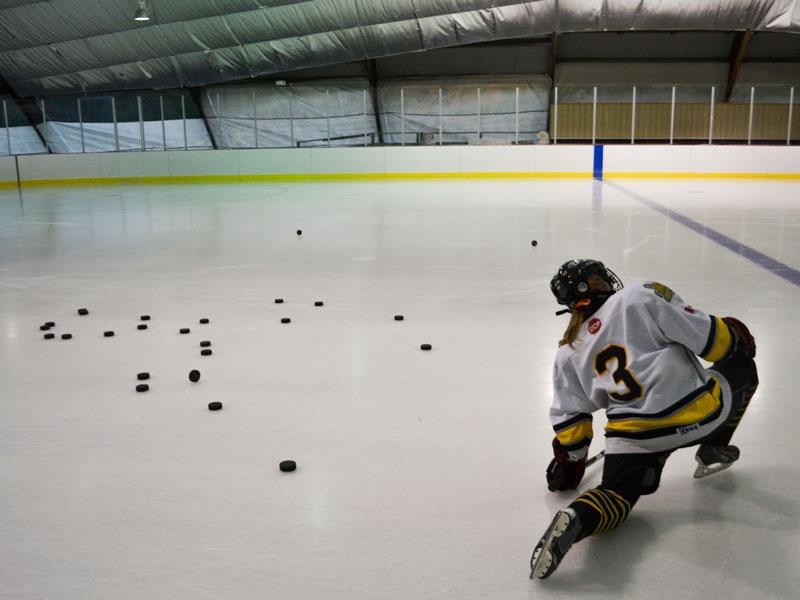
(570, 285)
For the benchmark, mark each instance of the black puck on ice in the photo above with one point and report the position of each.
(534, 243)
(214, 405)
(399, 317)
(286, 320)
(205, 352)
(143, 376)
(44, 327)
(299, 232)
(141, 326)
(83, 311)
(51, 323)
(204, 321)
(66, 336)
(287, 466)
(142, 387)
(49, 336)
(194, 375)
(184, 330)
(145, 317)
(108, 334)
(425, 347)
(205, 344)
(318, 303)
(278, 300)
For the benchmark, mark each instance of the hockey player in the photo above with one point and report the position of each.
(633, 352)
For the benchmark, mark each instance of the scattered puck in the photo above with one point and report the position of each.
(286, 320)
(143, 376)
(49, 336)
(205, 352)
(142, 387)
(399, 317)
(51, 324)
(141, 326)
(278, 300)
(534, 243)
(299, 232)
(66, 336)
(318, 303)
(287, 466)
(184, 330)
(426, 347)
(145, 317)
(83, 311)
(204, 321)
(194, 375)
(108, 334)
(44, 327)
(205, 344)
(214, 405)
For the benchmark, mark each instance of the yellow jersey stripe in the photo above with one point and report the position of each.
(576, 433)
(721, 344)
(705, 405)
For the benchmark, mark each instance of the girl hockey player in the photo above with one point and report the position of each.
(632, 352)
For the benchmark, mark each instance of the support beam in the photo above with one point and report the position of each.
(551, 70)
(738, 51)
(371, 68)
(198, 103)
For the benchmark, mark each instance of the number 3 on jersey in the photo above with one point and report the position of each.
(621, 374)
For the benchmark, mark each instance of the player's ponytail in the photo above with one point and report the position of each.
(574, 327)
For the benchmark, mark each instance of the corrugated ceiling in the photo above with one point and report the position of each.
(57, 46)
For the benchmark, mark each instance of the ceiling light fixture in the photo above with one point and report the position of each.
(141, 13)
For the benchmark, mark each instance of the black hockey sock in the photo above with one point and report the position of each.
(600, 510)
(723, 435)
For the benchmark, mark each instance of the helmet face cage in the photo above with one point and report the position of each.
(571, 283)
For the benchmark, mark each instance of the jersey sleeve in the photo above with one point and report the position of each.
(705, 335)
(570, 414)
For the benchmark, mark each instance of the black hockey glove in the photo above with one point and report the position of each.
(563, 473)
(743, 342)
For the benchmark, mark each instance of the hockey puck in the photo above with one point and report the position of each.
(142, 387)
(184, 330)
(44, 327)
(143, 376)
(318, 303)
(286, 320)
(49, 336)
(287, 466)
(141, 326)
(278, 300)
(66, 336)
(399, 317)
(299, 232)
(214, 405)
(204, 321)
(426, 347)
(205, 344)
(194, 375)
(145, 317)
(51, 323)
(205, 352)
(108, 334)
(83, 311)
(534, 243)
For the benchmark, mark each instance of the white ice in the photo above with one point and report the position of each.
(421, 474)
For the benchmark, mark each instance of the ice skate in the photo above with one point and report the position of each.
(555, 543)
(713, 459)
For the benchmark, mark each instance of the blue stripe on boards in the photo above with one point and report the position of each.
(762, 260)
(597, 170)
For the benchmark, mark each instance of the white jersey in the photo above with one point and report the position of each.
(635, 358)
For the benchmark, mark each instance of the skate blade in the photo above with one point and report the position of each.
(706, 470)
(545, 557)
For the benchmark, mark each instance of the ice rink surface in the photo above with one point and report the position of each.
(421, 474)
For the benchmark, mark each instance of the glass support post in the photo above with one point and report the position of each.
(633, 115)
(8, 129)
(555, 115)
(114, 117)
(80, 122)
(478, 124)
(594, 114)
(711, 116)
(291, 119)
(366, 122)
(672, 116)
(440, 116)
(402, 117)
(788, 124)
(328, 116)
(255, 119)
(750, 116)
(183, 116)
(516, 115)
(141, 122)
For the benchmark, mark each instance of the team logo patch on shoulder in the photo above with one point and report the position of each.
(594, 326)
(689, 308)
(660, 289)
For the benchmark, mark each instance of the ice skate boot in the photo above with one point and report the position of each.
(713, 459)
(558, 538)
